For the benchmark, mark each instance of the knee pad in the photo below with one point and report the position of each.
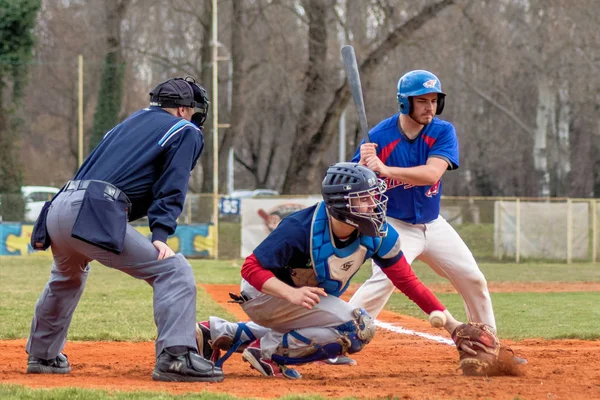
(358, 331)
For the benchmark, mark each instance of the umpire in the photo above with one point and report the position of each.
(140, 168)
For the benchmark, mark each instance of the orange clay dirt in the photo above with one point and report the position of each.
(392, 365)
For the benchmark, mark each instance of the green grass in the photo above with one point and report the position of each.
(527, 315)
(115, 306)
(14, 392)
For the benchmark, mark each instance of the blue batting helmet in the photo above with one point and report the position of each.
(417, 83)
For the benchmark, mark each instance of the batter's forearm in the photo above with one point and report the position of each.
(422, 175)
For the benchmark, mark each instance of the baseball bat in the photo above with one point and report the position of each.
(351, 68)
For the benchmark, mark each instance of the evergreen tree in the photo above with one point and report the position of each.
(17, 20)
(110, 97)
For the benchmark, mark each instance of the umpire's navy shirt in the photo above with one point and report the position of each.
(149, 156)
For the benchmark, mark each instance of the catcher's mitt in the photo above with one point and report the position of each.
(479, 338)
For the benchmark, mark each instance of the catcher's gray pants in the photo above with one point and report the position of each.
(172, 280)
(317, 324)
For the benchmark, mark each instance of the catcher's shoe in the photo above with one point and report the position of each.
(205, 344)
(340, 360)
(211, 348)
(57, 365)
(267, 367)
(186, 367)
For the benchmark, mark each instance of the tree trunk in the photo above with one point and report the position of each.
(206, 80)
(108, 110)
(237, 113)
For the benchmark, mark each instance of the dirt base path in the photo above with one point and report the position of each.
(392, 365)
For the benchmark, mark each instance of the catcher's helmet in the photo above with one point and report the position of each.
(345, 185)
(182, 92)
(417, 83)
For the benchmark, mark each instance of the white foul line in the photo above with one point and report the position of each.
(399, 329)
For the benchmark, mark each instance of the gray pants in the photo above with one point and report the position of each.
(317, 324)
(172, 280)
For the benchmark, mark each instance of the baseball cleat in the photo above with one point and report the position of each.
(253, 356)
(340, 360)
(58, 365)
(186, 367)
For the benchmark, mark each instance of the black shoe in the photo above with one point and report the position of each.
(187, 367)
(58, 365)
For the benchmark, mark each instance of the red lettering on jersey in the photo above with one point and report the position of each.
(429, 140)
(433, 190)
(387, 150)
(393, 183)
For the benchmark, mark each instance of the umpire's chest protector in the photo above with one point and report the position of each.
(333, 267)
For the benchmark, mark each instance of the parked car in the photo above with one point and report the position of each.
(244, 194)
(35, 197)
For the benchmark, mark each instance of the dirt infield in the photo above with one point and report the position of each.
(393, 365)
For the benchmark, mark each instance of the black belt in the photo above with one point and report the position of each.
(110, 190)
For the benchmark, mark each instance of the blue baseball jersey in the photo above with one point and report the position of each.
(408, 203)
(287, 251)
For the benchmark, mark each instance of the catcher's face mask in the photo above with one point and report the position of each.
(368, 209)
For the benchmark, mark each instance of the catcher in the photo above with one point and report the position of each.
(293, 280)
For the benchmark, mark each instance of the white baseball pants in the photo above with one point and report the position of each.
(438, 245)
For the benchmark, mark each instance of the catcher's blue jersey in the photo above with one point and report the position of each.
(413, 204)
(292, 248)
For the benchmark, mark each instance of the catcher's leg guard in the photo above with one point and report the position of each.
(322, 352)
(359, 331)
(354, 335)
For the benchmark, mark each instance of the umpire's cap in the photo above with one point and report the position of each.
(179, 92)
(182, 92)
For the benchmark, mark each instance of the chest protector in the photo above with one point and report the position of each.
(333, 267)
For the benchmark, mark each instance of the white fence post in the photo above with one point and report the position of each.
(569, 231)
(518, 231)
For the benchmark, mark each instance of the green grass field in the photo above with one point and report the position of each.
(119, 308)
(13, 392)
